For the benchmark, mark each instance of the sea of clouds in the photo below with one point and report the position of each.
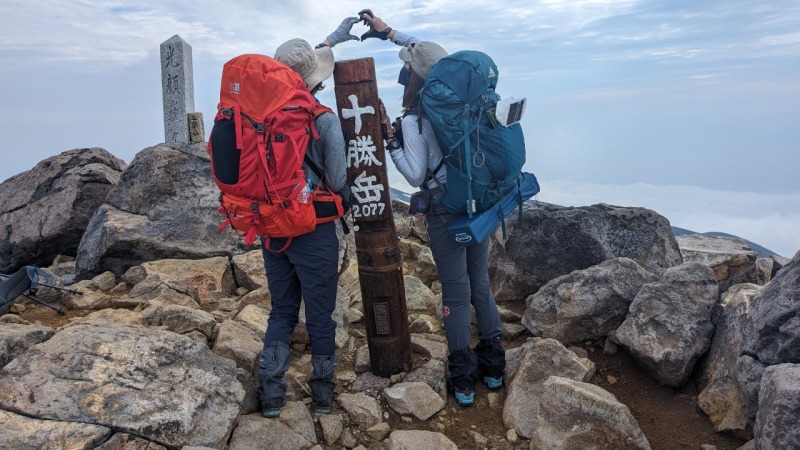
(769, 220)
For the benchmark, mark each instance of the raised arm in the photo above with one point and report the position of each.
(380, 30)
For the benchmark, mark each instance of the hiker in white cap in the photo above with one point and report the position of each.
(308, 268)
(463, 271)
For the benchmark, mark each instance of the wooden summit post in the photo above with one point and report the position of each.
(380, 268)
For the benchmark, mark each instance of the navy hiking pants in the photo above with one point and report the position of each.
(464, 274)
(307, 269)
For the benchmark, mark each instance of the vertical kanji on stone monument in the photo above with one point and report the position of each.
(177, 88)
(377, 246)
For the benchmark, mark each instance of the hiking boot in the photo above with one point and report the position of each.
(493, 383)
(321, 407)
(271, 407)
(491, 361)
(321, 382)
(462, 373)
(464, 396)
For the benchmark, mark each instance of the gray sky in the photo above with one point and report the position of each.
(687, 107)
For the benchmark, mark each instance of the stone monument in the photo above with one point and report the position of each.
(177, 88)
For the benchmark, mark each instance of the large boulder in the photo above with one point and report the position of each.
(239, 343)
(731, 259)
(249, 270)
(772, 335)
(419, 298)
(180, 319)
(20, 432)
(581, 415)
(541, 358)
(669, 324)
(211, 278)
(164, 206)
(364, 410)
(154, 384)
(45, 211)
(419, 440)
(585, 304)
(778, 263)
(15, 338)
(255, 431)
(748, 376)
(779, 408)
(553, 241)
(120, 441)
(414, 398)
(720, 396)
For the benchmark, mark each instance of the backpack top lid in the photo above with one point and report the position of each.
(259, 85)
(468, 73)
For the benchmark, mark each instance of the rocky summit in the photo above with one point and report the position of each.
(607, 318)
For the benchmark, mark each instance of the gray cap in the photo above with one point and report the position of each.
(423, 56)
(314, 65)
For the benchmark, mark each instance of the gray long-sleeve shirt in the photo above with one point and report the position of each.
(328, 154)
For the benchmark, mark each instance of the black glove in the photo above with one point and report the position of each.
(397, 127)
(377, 27)
(389, 129)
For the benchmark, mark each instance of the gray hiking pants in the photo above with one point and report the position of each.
(464, 274)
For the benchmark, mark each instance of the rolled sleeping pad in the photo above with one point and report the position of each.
(467, 232)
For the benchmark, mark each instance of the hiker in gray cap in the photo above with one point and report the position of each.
(463, 271)
(308, 267)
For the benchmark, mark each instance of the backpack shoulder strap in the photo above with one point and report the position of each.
(314, 167)
(416, 108)
(320, 109)
(431, 175)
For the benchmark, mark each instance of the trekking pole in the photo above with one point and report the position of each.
(58, 310)
(58, 288)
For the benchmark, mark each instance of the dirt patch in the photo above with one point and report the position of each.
(670, 418)
(42, 315)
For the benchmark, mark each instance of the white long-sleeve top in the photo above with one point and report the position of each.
(420, 153)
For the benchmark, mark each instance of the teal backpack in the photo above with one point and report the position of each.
(483, 158)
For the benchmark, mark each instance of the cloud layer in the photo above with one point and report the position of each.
(770, 220)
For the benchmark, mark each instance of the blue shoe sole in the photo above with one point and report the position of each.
(465, 399)
(322, 409)
(493, 383)
(270, 413)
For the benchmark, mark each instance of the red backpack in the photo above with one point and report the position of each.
(264, 125)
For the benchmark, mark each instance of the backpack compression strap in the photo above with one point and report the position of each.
(468, 150)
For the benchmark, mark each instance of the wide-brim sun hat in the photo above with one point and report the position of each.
(423, 56)
(314, 65)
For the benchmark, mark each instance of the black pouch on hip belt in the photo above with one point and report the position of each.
(420, 202)
(426, 199)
